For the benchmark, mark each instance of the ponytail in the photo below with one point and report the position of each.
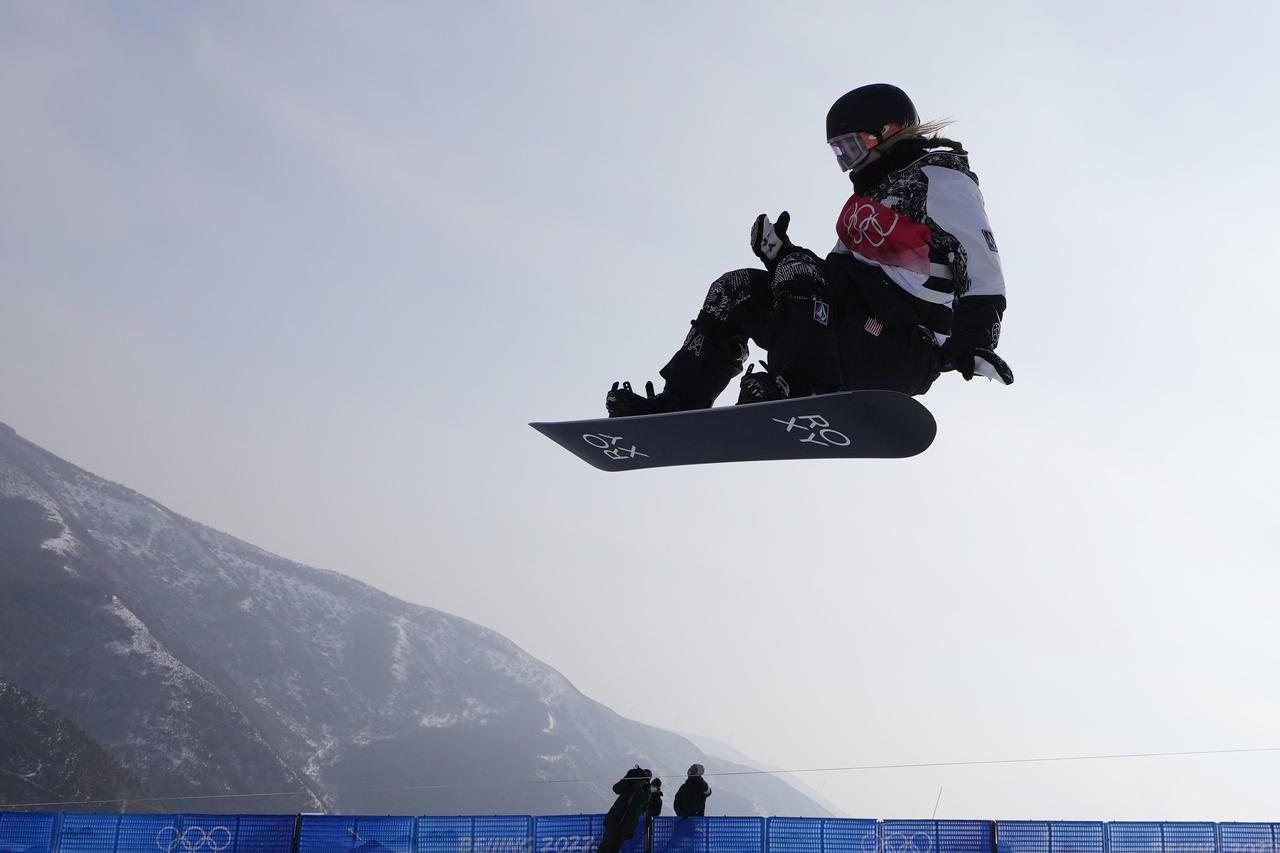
(927, 131)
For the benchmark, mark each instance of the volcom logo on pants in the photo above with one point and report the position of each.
(821, 311)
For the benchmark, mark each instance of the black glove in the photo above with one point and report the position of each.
(769, 240)
(975, 333)
(979, 362)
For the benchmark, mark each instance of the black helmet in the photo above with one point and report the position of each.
(868, 109)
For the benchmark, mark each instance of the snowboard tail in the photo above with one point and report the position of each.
(844, 425)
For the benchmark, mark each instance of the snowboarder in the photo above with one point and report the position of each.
(691, 798)
(913, 286)
(632, 802)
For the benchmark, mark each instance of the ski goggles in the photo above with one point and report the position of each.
(851, 149)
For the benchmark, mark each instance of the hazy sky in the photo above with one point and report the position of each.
(303, 272)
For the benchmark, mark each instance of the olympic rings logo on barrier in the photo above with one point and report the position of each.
(194, 838)
(897, 842)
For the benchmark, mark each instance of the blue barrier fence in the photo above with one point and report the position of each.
(73, 832)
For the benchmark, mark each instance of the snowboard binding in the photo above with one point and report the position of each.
(763, 387)
(622, 402)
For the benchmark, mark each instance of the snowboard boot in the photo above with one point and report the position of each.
(764, 386)
(622, 402)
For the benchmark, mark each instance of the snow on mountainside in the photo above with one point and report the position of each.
(48, 759)
(205, 665)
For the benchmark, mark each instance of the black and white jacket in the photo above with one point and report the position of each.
(918, 215)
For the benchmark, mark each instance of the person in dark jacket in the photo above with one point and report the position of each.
(912, 288)
(655, 798)
(622, 817)
(691, 799)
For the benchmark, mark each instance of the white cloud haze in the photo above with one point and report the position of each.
(303, 273)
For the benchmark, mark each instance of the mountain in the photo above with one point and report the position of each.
(722, 753)
(48, 759)
(207, 667)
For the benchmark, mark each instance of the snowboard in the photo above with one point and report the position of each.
(844, 425)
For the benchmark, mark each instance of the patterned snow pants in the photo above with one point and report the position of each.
(815, 326)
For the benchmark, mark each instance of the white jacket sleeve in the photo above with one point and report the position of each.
(955, 203)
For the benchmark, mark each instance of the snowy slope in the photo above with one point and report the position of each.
(48, 759)
(206, 665)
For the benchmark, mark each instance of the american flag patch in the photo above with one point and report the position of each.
(874, 327)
